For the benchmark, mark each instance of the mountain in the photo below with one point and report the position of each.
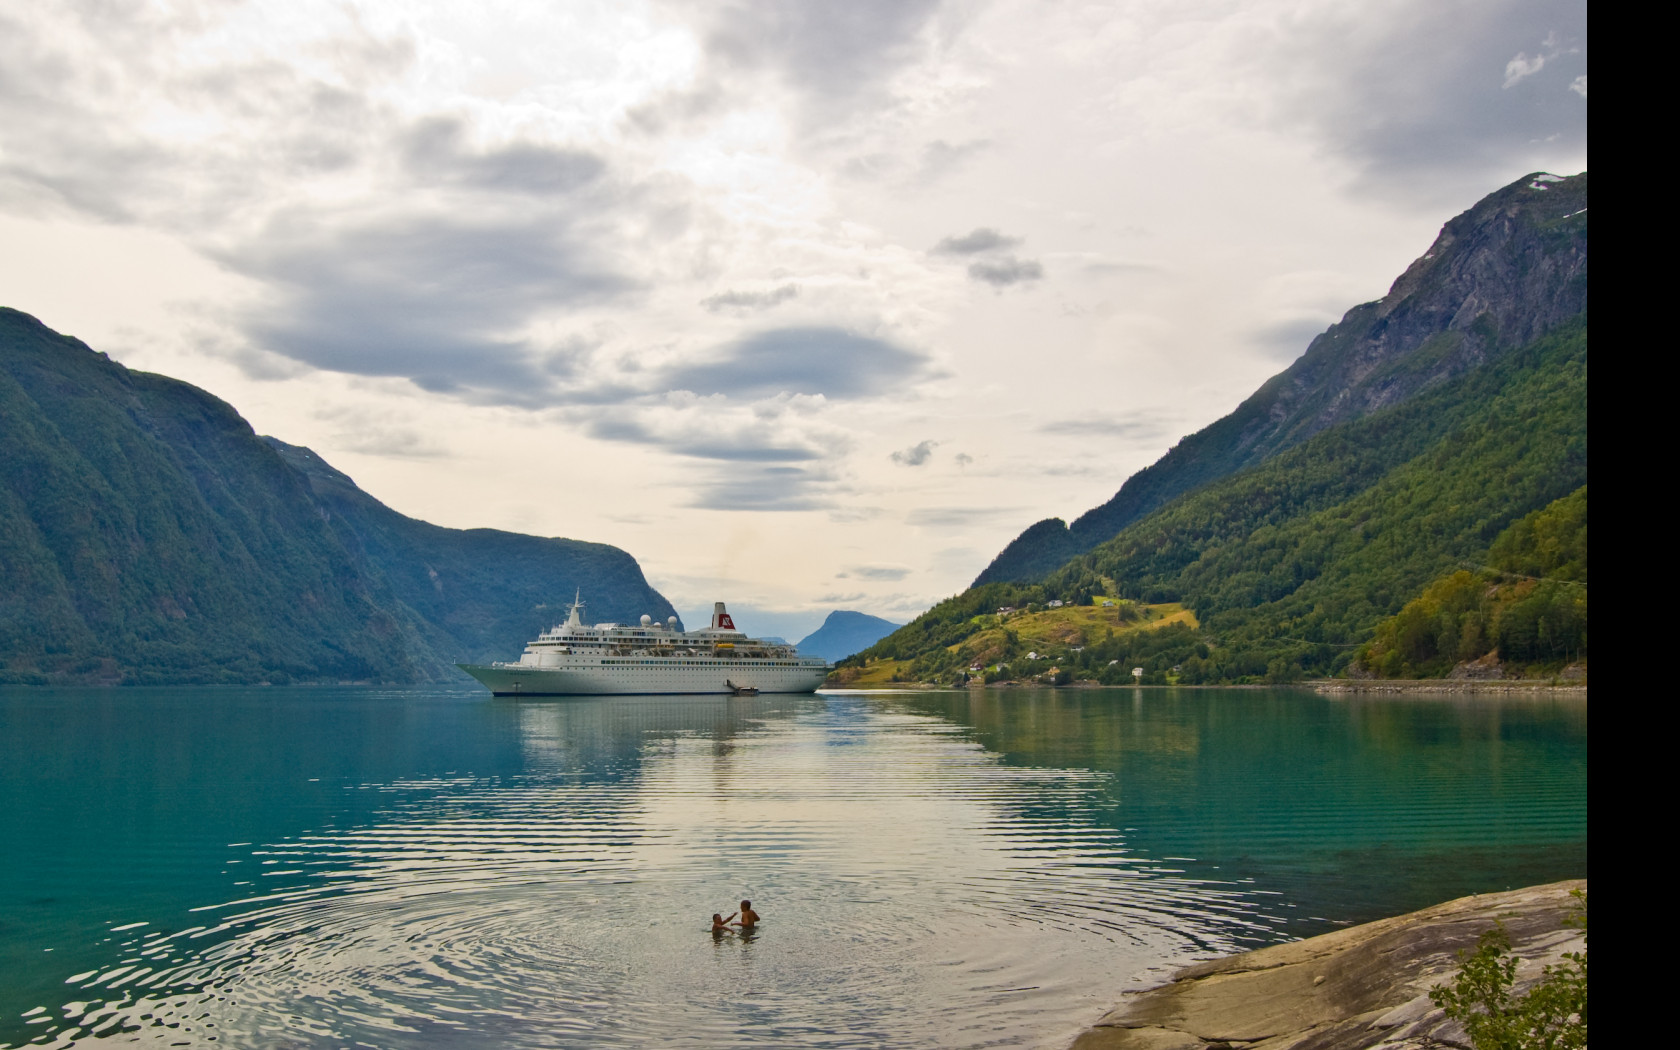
(845, 633)
(1285, 567)
(1499, 276)
(148, 535)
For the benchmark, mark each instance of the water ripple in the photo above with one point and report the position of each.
(918, 891)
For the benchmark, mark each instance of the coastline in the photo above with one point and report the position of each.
(1327, 686)
(1332, 686)
(1364, 986)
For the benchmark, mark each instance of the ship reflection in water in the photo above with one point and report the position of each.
(918, 887)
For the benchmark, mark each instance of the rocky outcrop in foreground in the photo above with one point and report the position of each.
(1365, 986)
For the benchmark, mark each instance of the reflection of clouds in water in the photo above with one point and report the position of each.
(916, 892)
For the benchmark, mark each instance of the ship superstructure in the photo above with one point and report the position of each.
(576, 659)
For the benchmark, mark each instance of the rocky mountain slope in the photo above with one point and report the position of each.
(1498, 277)
(1386, 477)
(147, 534)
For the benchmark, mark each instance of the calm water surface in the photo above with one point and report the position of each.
(433, 868)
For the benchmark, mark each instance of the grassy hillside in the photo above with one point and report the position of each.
(1290, 565)
(1101, 641)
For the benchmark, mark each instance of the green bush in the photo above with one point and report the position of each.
(1552, 1016)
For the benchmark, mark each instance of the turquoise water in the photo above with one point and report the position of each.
(434, 868)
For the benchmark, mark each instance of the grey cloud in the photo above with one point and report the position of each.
(915, 455)
(742, 468)
(428, 297)
(676, 108)
(827, 361)
(1141, 426)
(746, 447)
(1002, 273)
(434, 150)
(877, 572)
(749, 301)
(831, 52)
(1437, 92)
(983, 239)
(437, 287)
(764, 489)
(954, 517)
(940, 158)
(962, 459)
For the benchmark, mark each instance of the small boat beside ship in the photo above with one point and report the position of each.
(577, 659)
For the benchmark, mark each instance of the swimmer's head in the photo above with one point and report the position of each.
(746, 904)
(716, 917)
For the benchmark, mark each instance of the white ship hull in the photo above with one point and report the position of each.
(650, 676)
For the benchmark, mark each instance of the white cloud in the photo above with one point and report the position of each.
(656, 273)
(1522, 67)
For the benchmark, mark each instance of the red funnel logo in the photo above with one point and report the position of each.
(725, 622)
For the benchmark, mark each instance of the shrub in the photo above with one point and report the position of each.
(1552, 1016)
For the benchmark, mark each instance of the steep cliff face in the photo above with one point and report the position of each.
(148, 535)
(1500, 275)
(478, 594)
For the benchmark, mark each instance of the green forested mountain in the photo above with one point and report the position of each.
(1499, 276)
(1290, 563)
(148, 535)
(1528, 605)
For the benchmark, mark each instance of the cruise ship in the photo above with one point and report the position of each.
(574, 659)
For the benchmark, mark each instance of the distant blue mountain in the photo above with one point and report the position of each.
(845, 633)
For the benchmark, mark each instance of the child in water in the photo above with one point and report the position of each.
(721, 924)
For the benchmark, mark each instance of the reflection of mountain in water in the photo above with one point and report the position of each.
(1353, 810)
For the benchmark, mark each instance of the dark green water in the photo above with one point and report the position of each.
(332, 867)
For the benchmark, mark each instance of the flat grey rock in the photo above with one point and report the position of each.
(1362, 987)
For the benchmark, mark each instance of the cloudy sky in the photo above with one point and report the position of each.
(806, 305)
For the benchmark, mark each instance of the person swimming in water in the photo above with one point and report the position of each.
(721, 924)
(749, 918)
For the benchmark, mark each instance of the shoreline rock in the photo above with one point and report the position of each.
(1444, 685)
(1365, 986)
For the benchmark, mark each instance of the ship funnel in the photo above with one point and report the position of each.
(720, 618)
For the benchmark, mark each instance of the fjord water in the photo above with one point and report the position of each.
(428, 868)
